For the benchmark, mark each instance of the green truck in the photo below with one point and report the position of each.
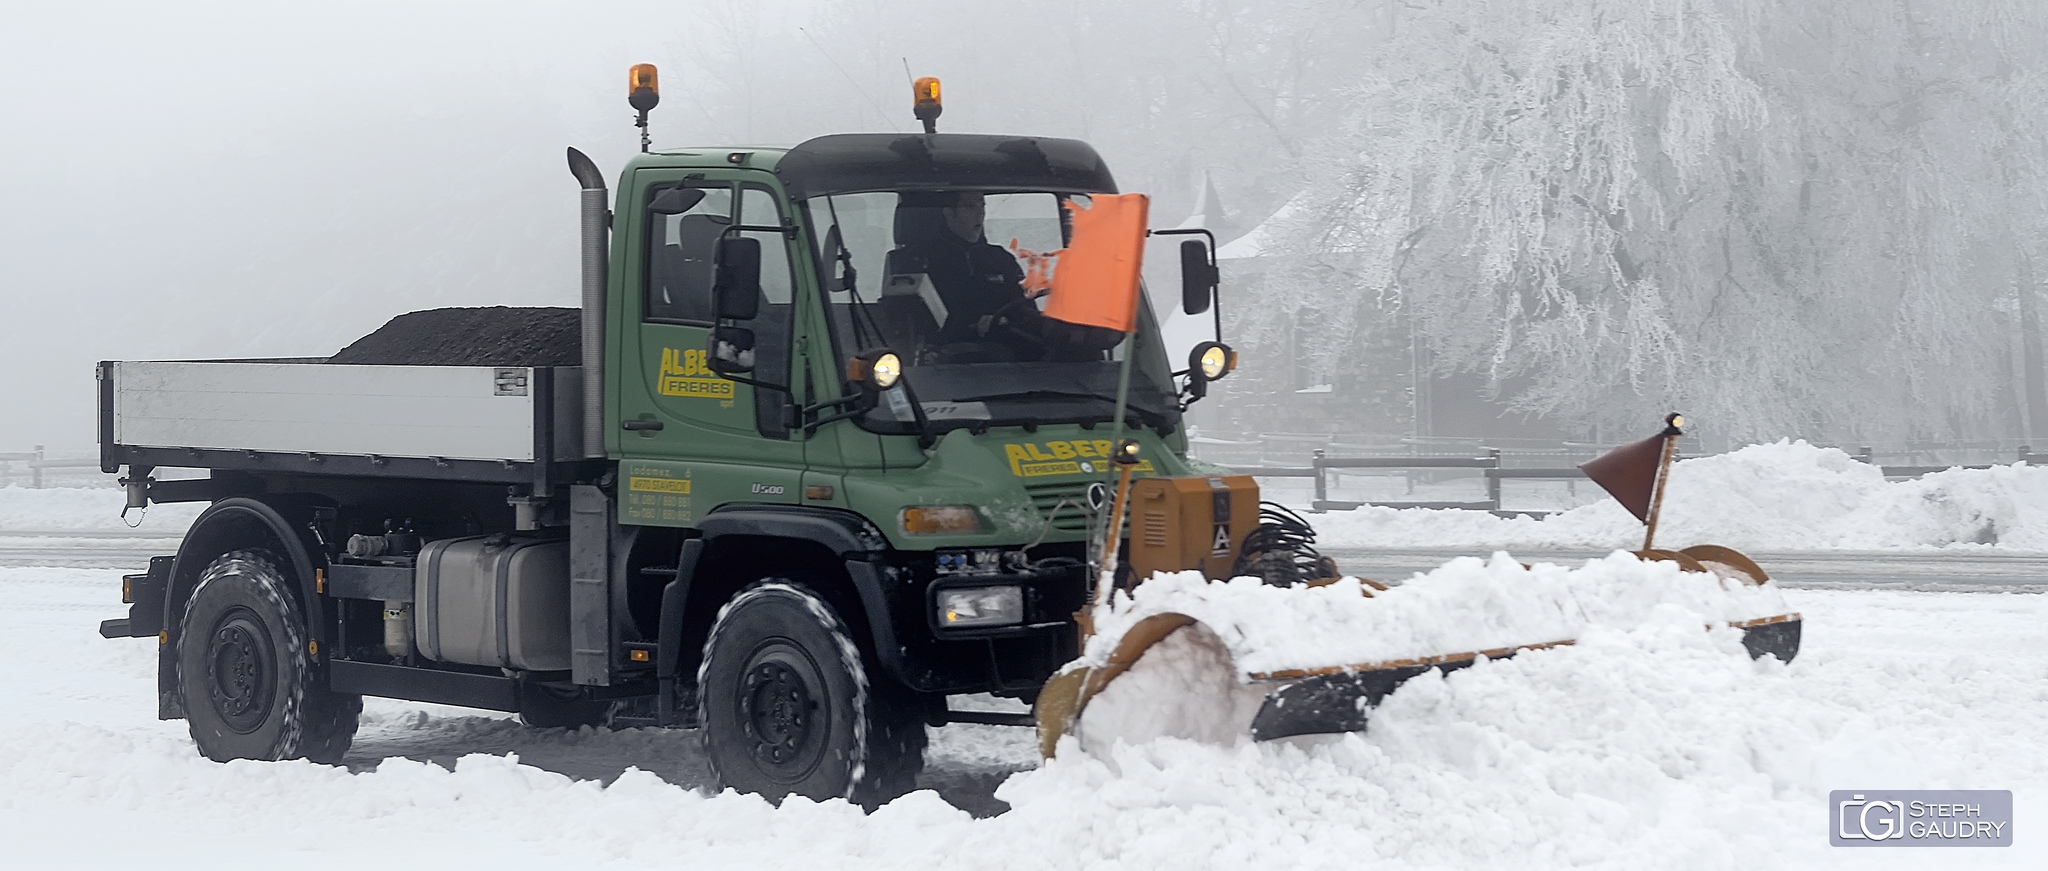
(806, 464)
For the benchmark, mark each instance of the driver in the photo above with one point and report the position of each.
(989, 317)
(980, 283)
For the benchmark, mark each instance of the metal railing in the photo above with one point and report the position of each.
(32, 467)
(1492, 468)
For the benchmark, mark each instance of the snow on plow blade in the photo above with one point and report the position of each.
(1226, 661)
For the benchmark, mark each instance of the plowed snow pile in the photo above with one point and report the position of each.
(1783, 496)
(1466, 605)
(1655, 746)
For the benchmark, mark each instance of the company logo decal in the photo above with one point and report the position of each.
(656, 494)
(1075, 457)
(684, 373)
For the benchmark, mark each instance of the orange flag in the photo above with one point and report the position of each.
(1095, 283)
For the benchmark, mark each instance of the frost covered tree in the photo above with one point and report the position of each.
(1787, 218)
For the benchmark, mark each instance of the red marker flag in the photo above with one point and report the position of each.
(1629, 473)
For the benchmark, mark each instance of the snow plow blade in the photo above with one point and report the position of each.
(1172, 674)
(1340, 700)
(1773, 636)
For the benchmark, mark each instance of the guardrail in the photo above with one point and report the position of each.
(1491, 468)
(32, 465)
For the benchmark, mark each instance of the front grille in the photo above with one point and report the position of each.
(1073, 517)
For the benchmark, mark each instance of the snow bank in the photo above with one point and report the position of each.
(1466, 605)
(1783, 496)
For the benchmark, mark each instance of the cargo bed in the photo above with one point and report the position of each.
(470, 423)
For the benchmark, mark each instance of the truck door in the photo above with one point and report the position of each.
(693, 440)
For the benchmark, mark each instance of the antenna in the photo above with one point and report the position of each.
(850, 80)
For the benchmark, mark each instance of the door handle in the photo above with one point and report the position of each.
(640, 424)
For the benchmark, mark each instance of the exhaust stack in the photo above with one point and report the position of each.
(596, 220)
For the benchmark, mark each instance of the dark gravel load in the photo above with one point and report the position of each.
(494, 336)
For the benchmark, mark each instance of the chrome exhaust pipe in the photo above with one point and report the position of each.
(596, 221)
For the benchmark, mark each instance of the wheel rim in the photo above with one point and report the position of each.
(241, 670)
(779, 711)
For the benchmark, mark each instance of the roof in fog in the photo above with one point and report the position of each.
(851, 162)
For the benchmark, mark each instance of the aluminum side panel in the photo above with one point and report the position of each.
(399, 411)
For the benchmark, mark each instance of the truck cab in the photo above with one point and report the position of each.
(825, 462)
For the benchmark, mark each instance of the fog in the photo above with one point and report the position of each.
(200, 180)
(1791, 218)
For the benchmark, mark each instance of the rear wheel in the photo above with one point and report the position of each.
(789, 707)
(248, 674)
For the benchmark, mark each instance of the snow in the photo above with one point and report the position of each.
(1655, 745)
(1782, 496)
(1200, 682)
(1467, 605)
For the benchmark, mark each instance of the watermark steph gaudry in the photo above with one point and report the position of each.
(1920, 818)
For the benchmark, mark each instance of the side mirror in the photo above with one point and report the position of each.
(1198, 277)
(736, 286)
(731, 351)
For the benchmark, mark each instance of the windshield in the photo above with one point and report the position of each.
(941, 278)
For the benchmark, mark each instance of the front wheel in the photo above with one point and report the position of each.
(248, 674)
(788, 707)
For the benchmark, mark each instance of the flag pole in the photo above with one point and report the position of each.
(1672, 424)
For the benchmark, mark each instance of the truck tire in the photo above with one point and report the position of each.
(788, 706)
(250, 682)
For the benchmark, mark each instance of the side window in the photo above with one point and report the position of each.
(680, 248)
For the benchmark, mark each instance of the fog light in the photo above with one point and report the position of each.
(981, 606)
(939, 520)
(1214, 359)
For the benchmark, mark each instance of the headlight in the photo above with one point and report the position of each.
(1213, 359)
(888, 368)
(877, 370)
(939, 520)
(981, 606)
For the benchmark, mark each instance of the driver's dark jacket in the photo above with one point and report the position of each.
(975, 280)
